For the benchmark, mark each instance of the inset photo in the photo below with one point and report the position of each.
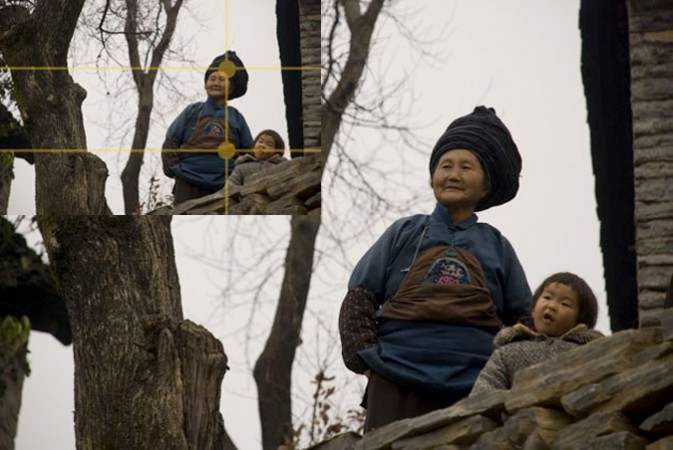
(144, 107)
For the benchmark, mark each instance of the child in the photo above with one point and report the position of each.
(206, 125)
(426, 300)
(267, 151)
(563, 314)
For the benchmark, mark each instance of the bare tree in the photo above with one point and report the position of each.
(140, 34)
(363, 102)
(274, 367)
(361, 25)
(144, 82)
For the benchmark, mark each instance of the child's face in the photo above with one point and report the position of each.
(459, 181)
(263, 146)
(556, 310)
(217, 85)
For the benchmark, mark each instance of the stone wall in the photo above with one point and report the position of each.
(651, 47)
(289, 188)
(613, 393)
(309, 26)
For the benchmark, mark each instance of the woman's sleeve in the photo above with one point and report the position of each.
(176, 130)
(169, 155)
(357, 326)
(366, 290)
(372, 271)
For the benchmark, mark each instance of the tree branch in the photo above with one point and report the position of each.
(362, 27)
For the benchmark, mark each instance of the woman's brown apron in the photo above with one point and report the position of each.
(445, 284)
(209, 133)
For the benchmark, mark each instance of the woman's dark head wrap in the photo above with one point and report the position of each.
(239, 81)
(483, 133)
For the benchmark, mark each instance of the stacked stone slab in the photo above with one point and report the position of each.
(613, 393)
(289, 188)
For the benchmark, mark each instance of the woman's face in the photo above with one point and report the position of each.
(217, 85)
(459, 182)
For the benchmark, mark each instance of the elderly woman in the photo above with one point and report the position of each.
(190, 151)
(426, 300)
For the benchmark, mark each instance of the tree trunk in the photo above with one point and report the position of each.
(361, 26)
(144, 82)
(13, 368)
(144, 377)
(273, 369)
(131, 173)
(287, 32)
(50, 104)
(605, 50)
(6, 176)
(651, 49)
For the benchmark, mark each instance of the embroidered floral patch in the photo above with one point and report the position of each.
(213, 129)
(447, 271)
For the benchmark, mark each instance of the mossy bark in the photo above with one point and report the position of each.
(14, 334)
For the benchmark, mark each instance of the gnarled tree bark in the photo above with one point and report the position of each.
(144, 377)
(50, 105)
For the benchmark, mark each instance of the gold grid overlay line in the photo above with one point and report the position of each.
(138, 150)
(145, 68)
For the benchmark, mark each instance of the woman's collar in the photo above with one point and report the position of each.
(441, 213)
(210, 102)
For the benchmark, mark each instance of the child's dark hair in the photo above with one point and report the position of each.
(588, 305)
(280, 144)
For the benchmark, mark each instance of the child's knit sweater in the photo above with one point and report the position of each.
(518, 347)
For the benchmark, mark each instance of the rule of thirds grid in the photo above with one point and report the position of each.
(226, 150)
